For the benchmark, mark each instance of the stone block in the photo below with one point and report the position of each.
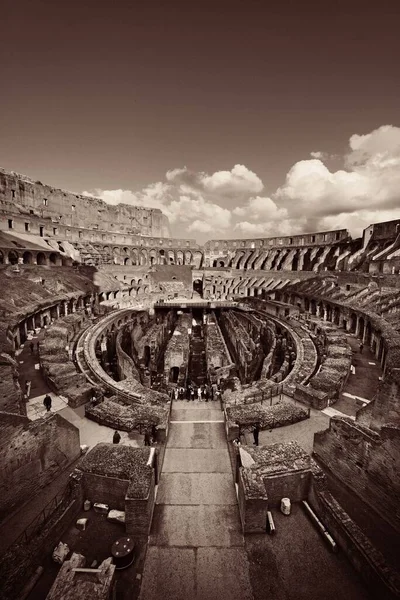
(81, 524)
(101, 508)
(116, 516)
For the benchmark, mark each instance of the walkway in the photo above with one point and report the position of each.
(196, 547)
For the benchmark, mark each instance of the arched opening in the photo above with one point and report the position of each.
(198, 286)
(22, 333)
(53, 258)
(133, 281)
(353, 322)
(361, 327)
(368, 334)
(328, 312)
(197, 259)
(13, 257)
(146, 356)
(27, 258)
(41, 258)
(174, 374)
(336, 315)
(295, 262)
(127, 262)
(313, 307)
(1, 258)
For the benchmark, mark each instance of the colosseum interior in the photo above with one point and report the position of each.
(238, 374)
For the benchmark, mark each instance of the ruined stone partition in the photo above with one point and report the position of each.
(32, 454)
(176, 355)
(364, 460)
(265, 475)
(382, 581)
(124, 478)
(75, 580)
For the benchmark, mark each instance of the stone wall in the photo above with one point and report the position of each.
(55, 208)
(381, 580)
(139, 511)
(106, 490)
(365, 461)
(177, 352)
(11, 396)
(33, 453)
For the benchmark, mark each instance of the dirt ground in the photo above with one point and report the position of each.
(95, 544)
(295, 564)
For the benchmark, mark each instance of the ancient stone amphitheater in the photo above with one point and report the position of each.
(189, 351)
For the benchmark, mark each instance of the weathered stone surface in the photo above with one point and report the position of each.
(116, 516)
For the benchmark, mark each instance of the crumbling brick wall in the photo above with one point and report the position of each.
(32, 453)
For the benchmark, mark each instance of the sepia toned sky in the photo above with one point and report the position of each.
(237, 119)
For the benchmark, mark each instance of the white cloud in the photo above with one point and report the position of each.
(239, 180)
(259, 208)
(312, 197)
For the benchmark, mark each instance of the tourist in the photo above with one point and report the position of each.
(28, 384)
(192, 393)
(147, 438)
(205, 392)
(116, 437)
(47, 402)
(256, 431)
(199, 393)
(361, 347)
(176, 393)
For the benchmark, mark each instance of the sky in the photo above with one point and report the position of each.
(237, 119)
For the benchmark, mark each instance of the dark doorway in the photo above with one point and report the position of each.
(198, 286)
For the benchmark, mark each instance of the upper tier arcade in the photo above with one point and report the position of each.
(28, 202)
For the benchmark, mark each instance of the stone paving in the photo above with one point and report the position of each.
(196, 546)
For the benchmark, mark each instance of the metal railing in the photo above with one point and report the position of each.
(37, 524)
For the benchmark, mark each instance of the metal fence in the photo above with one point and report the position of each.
(35, 526)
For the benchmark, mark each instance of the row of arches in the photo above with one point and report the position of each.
(350, 320)
(28, 257)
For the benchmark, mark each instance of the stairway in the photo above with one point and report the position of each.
(197, 371)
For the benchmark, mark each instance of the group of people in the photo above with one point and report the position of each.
(200, 392)
(150, 436)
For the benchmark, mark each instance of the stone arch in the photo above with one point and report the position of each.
(153, 257)
(353, 322)
(179, 257)
(27, 258)
(13, 257)
(1, 257)
(139, 281)
(188, 257)
(53, 258)
(128, 262)
(336, 315)
(173, 374)
(197, 259)
(171, 257)
(368, 333)
(328, 312)
(361, 327)
(41, 258)
(133, 281)
(198, 286)
(143, 258)
(313, 307)
(134, 255)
